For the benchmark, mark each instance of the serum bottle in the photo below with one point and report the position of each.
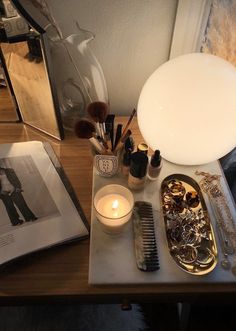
(155, 165)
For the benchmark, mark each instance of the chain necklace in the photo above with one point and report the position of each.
(211, 185)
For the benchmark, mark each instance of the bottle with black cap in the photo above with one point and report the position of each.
(138, 171)
(155, 165)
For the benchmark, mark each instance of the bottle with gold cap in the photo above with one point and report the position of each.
(142, 147)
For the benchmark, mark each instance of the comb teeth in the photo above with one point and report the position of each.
(144, 237)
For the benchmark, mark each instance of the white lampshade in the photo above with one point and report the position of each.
(187, 109)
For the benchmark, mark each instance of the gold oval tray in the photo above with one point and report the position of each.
(189, 231)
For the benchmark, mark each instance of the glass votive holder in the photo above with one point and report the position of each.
(113, 206)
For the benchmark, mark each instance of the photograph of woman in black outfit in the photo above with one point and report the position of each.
(25, 199)
(12, 197)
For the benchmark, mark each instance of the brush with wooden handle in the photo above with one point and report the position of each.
(126, 129)
(128, 123)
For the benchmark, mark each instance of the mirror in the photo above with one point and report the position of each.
(27, 65)
(8, 108)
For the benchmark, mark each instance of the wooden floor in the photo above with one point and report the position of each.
(7, 108)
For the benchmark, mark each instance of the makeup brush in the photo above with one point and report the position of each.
(108, 141)
(98, 111)
(89, 126)
(126, 129)
(122, 141)
(86, 130)
(129, 122)
(118, 134)
(109, 123)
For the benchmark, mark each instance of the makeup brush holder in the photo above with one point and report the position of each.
(106, 165)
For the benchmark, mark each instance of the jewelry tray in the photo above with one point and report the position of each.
(189, 232)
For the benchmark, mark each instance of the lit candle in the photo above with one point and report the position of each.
(113, 205)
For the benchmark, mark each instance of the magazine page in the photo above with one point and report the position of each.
(36, 210)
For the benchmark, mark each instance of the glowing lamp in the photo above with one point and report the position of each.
(187, 109)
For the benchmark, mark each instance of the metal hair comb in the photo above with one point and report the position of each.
(144, 237)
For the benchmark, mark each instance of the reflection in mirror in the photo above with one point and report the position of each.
(28, 75)
(8, 112)
(25, 58)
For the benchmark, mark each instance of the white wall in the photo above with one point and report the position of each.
(133, 38)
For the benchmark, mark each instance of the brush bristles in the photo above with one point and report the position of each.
(84, 129)
(98, 111)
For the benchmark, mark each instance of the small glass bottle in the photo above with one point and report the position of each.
(138, 171)
(155, 165)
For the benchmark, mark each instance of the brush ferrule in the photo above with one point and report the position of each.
(98, 147)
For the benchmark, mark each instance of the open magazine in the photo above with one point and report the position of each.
(38, 206)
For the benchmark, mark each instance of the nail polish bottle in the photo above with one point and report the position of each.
(138, 171)
(155, 165)
(126, 162)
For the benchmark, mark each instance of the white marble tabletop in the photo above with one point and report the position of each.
(112, 258)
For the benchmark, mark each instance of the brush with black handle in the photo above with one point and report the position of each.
(118, 134)
(122, 141)
(109, 124)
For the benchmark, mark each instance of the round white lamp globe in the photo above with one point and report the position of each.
(187, 109)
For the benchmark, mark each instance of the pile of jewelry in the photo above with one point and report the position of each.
(189, 235)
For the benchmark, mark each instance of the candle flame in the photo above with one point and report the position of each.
(115, 204)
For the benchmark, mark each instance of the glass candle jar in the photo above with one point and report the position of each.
(113, 206)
